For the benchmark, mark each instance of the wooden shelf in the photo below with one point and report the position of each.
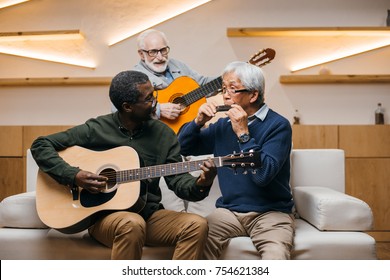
(333, 79)
(66, 81)
(41, 35)
(307, 31)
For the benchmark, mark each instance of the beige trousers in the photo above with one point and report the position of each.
(126, 233)
(272, 233)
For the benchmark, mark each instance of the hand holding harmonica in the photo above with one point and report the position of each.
(223, 108)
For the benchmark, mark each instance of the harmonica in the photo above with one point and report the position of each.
(223, 108)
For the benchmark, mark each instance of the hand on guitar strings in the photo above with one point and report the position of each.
(90, 181)
(170, 111)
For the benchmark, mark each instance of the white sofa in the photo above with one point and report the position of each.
(330, 225)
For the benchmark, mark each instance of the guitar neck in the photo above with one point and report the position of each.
(203, 91)
(156, 171)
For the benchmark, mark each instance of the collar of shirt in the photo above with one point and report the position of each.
(260, 114)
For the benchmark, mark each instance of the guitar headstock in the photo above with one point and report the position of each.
(262, 57)
(245, 161)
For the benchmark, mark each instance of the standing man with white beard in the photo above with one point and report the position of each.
(153, 49)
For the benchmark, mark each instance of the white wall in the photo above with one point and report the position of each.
(199, 38)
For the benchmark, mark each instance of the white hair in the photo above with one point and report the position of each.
(251, 76)
(141, 37)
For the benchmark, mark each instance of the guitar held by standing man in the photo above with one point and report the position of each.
(153, 50)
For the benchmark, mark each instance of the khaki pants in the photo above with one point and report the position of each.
(126, 233)
(272, 233)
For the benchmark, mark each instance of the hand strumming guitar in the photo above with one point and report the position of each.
(90, 181)
(170, 111)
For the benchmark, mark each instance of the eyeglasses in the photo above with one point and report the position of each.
(231, 91)
(154, 52)
(151, 99)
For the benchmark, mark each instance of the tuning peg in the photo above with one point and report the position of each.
(245, 172)
(254, 171)
(234, 171)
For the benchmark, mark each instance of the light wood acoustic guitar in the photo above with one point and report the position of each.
(73, 210)
(186, 91)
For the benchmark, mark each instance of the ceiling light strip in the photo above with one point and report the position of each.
(8, 3)
(143, 26)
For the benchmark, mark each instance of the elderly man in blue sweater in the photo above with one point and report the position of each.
(258, 204)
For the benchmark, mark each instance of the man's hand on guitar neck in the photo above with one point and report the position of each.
(170, 111)
(91, 182)
(207, 177)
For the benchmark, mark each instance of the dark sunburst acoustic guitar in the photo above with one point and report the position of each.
(73, 210)
(186, 91)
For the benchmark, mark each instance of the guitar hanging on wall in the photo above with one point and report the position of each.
(186, 91)
(73, 210)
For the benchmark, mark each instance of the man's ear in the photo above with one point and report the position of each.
(127, 107)
(255, 96)
(141, 55)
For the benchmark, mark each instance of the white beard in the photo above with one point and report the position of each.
(158, 68)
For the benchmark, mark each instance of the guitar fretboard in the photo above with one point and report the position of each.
(156, 171)
(202, 91)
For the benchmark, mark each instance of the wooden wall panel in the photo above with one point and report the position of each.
(369, 180)
(11, 176)
(11, 141)
(365, 140)
(30, 133)
(315, 136)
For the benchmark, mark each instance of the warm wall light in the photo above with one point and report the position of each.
(7, 3)
(47, 57)
(158, 18)
(341, 55)
(59, 35)
(41, 35)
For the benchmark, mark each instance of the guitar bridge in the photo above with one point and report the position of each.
(75, 192)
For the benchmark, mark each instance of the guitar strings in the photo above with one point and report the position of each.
(153, 171)
(198, 93)
(166, 169)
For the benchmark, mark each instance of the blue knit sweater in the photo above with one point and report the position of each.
(268, 189)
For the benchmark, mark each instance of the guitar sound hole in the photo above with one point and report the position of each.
(180, 100)
(111, 175)
(88, 199)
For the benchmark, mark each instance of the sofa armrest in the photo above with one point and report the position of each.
(327, 209)
(19, 211)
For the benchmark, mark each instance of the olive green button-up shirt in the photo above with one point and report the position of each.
(155, 144)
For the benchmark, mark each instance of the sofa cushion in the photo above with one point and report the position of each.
(318, 167)
(207, 205)
(327, 209)
(169, 199)
(19, 211)
(312, 244)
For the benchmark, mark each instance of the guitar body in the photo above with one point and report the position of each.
(56, 206)
(174, 94)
